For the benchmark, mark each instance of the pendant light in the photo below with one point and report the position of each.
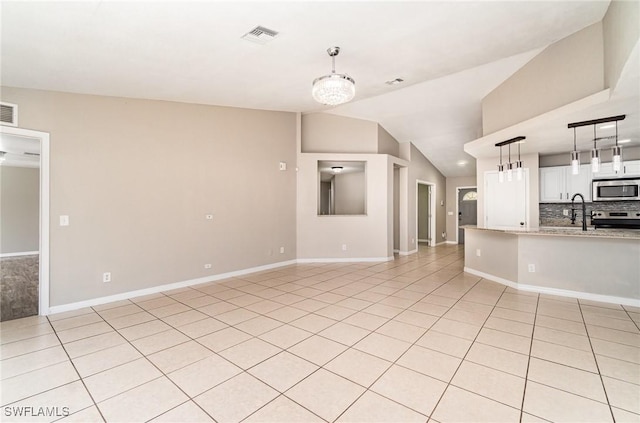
(616, 152)
(575, 156)
(334, 88)
(595, 154)
(519, 170)
(500, 168)
(509, 167)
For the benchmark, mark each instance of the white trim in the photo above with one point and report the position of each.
(396, 251)
(451, 242)
(423, 240)
(24, 253)
(407, 253)
(346, 260)
(43, 137)
(558, 292)
(458, 210)
(167, 287)
(440, 243)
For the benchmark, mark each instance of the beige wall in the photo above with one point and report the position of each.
(421, 169)
(137, 177)
(559, 262)
(19, 209)
(387, 144)
(350, 190)
(452, 201)
(530, 162)
(366, 237)
(326, 133)
(566, 71)
(621, 33)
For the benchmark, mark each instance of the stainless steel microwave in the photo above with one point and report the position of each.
(618, 189)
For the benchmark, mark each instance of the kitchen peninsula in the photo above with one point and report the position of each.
(600, 264)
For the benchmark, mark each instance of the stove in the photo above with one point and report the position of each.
(616, 219)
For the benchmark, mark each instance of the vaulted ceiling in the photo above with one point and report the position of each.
(450, 55)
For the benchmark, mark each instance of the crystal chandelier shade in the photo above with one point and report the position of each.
(335, 88)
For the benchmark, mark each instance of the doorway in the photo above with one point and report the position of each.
(425, 212)
(467, 209)
(25, 246)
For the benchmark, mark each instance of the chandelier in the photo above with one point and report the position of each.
(335, 88)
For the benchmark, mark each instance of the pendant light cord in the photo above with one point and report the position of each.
(574, 139)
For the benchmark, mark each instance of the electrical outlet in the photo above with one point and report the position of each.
(281, 250)
(106, 277)
(208, 216)
(344, 247)
(283, 166)
(207, 266)
(478, 252)
(64, 220)
(565, 212)
(413, 241)
(532, 268)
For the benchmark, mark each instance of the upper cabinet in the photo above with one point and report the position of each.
(558, 184)
(629, 168)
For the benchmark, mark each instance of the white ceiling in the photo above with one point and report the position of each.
(449, 53)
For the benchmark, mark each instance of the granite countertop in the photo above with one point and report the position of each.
(569, 231)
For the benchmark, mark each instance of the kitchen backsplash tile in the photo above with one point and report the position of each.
(551, 213)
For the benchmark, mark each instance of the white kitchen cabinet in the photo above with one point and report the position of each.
(558, 184)
(629, 168)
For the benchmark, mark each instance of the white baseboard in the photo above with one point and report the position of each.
(451, 242)
(407, 253)
(167, 287)
(440, 243)
(559, 292)
(183, 284)
(24, 253)
(423, 240)
(345, 260)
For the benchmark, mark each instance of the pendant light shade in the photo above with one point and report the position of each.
(575, 162)
(575, 157)
(595, 160)
(616, 153)
(334, 88)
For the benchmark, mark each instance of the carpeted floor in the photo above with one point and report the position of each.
(18, 287)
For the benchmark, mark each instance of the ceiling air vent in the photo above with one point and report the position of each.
(8, 114)
(260, 35)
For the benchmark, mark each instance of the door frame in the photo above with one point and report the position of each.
(432, 209)
(458, 209)
(43, 274)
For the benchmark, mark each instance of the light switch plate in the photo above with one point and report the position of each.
(283, 166)
(64, 220)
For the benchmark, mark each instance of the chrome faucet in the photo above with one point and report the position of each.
(584, 211)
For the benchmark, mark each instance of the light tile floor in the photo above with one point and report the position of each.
(415, 339)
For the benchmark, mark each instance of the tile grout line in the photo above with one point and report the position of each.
(95, 404)
(526, 375)
(595, 360)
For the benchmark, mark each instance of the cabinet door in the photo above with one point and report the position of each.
(505, 203)
(632, 168)
(606, 171)
(580, 183)
(552, 184)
